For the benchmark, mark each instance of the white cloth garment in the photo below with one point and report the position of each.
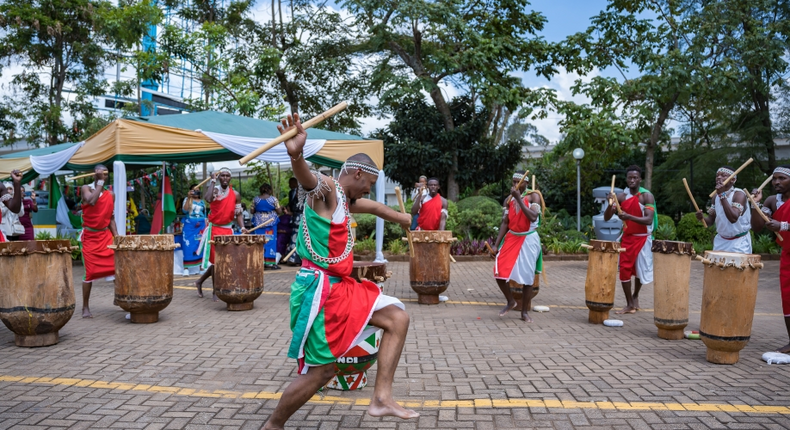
(46, 165)
(245, 145)
(727, 229)
(119, 190)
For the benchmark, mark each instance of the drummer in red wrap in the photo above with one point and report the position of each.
(780, 224)
(638, 217)
(432, 208)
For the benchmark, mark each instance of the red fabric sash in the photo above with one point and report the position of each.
(430, 214)
(517, 220)
(99, 260)
(783, 214)
(633, 240)
(223, 211)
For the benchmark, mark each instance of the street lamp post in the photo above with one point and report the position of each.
(578, 154)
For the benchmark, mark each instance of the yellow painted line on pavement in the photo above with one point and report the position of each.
(471, 303)
(483, 403)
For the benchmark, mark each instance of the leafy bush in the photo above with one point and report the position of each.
(764, 244)
(666, 228)
(471, 246)
(43, 235)
(480, 223)
(701, 247)
(365, 246)
(691, 230)
(475, 202)
(397, 247)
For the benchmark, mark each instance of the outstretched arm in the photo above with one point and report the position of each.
(295, 148)
(367, 206)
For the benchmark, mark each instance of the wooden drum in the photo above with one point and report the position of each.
(36, 290)
(144, 275)
(371, 270)
(429, 268)
(518, 292)
(729, 294)
(599, 287)
(672, 268)
(238, 269)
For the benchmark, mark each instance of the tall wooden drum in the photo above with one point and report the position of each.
(429, 268)
(672, 268)
(518, 292)
(729, 294)
(599, 287)
(36, 290)
(144, 275)
(238, 269)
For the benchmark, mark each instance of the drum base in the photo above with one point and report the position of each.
(36, 340)
(675, 334)
(144, 318)
(722, 357)
(240, 306)
(597, 317)
(428, 299)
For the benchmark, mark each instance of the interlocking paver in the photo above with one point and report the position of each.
(462, 362)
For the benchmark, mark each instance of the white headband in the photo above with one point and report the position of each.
(367, 168)
(225, 169)
(518, 176)
(783, 170)
(727, 171)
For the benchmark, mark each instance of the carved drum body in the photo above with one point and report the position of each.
(599, 287)
(429, 268)
(36, 290)
(672, 268)
(238, 269)
(144, 275)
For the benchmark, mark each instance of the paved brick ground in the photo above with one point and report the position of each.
(463, 366)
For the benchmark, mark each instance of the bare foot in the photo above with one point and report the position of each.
(214, 298)
(785, 349)
(525, 317)
(636, 304)
(268, 426)
(507, 308)
(626, 310)
(86, 313)
(199, 288)
(390, 409)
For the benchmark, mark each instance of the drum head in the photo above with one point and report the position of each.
(726, 259)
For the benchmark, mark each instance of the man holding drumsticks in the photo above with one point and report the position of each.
(729, 211)
(639, 220)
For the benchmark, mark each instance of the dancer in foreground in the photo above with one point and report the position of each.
(330, 310)
(519, 255)
(780, 224)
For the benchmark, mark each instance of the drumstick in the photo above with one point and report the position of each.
(767, 180)
(262, 225)
(290, 134)
(727, 181)
(403, 210)
(287, 256)
(84, 175)
(764, 217)
(533, 182)
(522, 180)
(202, 183)
(452, 259)
(688, 190)
(493, 254)
(611, 191)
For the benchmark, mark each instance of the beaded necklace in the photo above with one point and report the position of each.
(349, 243)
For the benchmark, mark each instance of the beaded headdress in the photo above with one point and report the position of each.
(518, 176)
(367, 168)
(783, 170)
(727, 171)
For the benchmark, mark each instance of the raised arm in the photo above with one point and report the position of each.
(209, 194)
(15, 202)
(607, 215)
(295, 148)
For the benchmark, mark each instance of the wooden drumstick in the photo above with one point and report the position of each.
(403, 210)
(84, 175)
(203, 182)
(767, 180)
(611, 191)
(290, 134)
(727, 181)
(452, 259)
(522, 180)
(533, 182)
(491, 250)
(762, 215)
(691, 196)
(287, 256)
(262, 225)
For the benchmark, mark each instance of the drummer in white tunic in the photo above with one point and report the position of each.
(730, 212)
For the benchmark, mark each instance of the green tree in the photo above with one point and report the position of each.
(63, 46)
(417, 46)
(416, 143)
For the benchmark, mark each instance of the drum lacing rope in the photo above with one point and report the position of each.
(145, 247)
(24, 251)
(247, 240)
